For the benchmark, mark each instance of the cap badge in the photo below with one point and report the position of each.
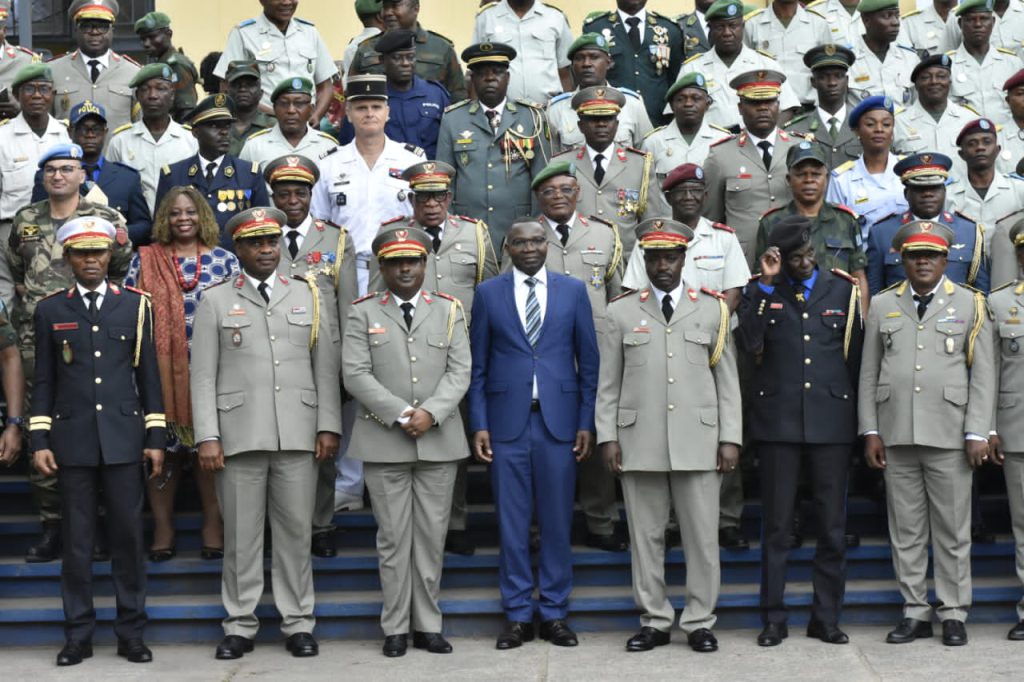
(259, 213)
(430, 167)
(658, 224)
(486, 47)
(927, 158)
(760, 75)
(830, 49)
(402, 235)
(926, 227)
(292, 161)
(731, 11)
(296, 84)
(220, 100)
(599, 92)
(805, 145)
(699, 173)
(983, 124)
(600, 41)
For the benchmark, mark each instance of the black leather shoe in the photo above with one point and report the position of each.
(702, 641)
(302, 645)
(395, 645)
(155, 555)
(100, 546)
(647, 639)
(830, 634)
(608, 543)
(558, 632)
(514, 634)
(74, 653)
(981, 536)
(323, 545)
(233, 646)
(433, 642)
(908, 630)
(135, 650)
(458, 542)
(953, 633)
(211, 553)
(673, 538)
(773, 634)
(1016, 633)
(732, 538)
(48, 547)
(851, 540)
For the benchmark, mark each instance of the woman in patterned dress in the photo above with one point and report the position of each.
(182, 261)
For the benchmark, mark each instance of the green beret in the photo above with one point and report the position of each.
(724, 9)
(975, 6)
(151, 22)
(293, 84)
(32, 72)
(553, 169)
(868, 6)
(364, 7)
(151, 71)
(589, 41)
(690, 80)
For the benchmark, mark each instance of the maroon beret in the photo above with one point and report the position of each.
(1014, 81)
(978, 125)
(687, 171)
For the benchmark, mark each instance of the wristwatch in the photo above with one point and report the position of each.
(15, 421)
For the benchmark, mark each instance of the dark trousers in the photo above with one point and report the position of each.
(780, 475)
(123, 489)
(534, 474)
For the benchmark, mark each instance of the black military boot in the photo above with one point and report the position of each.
(48, 547)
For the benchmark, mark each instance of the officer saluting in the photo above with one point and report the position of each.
(669, 422)
(927, 390)
(97, 409)
(407, 362)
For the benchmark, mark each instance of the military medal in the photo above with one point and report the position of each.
(236, 338)
(231, 206)
(66, 354)
(950, 345)
(222, 207)
(595, 277)
(229, 171)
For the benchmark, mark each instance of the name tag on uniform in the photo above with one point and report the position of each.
(395, 173)
(299, 310)
(642, 330)
(376, 330)
(861, 79)
(64, 326)
(744, 175)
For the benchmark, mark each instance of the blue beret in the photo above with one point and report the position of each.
(873, 103)
(64, 150)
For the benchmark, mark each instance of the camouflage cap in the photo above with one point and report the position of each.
(805, 151)
(242, 68)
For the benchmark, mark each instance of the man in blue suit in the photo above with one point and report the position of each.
(121, 184)
(229, 184)
(531, 411)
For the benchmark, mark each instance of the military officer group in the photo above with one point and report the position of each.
(323, 279)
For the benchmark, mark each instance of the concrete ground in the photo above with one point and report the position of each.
(988, 656)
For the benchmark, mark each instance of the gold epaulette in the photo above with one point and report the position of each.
(486, 6)
(453, 314)
(1006, 51)
(145, 310)
(654, 131)
(453, 107)
(696, 56)
(980, 311)
(121, 129)
(624, 294)
(843, 167)
(1003, 286)
(909, 14)
(258, 133)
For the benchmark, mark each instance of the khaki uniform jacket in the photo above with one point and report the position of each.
(634, 123)
(1006, 304)
(628, 194)
(388, 368)
(1004, 196)
(327, 250)
(739, 188)
(257, 384)
(1005, 268)
(669, 393)
(927, 382)
(72, 85)
(592, 254)
(466, 258)
(845, 146)
(12, 59)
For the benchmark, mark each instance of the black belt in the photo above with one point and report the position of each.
(534, 406)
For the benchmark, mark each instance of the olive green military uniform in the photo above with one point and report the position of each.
(389, 367)
(185, 96)
(327, 253)
(924, 385)
(669, 147)
(628, 193)
(495, 167)
(835, 236)
(435, 61)
(669, 411)
(1006, 305)
(260, 121)
(844, 146)
(740, 190)
(695, 36)
(36, 263)
(72, 85)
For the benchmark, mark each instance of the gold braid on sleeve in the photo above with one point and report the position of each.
(314, 333)
(850, 315)
(723, 333)
(145, 310)
(613, 266)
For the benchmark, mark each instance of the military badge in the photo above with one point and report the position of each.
(192, 170)
(66, 354)
(236, 338)
(229, 171)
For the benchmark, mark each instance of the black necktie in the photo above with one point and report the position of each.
(766, 153)
(262, 288)
(94, 69)
(666, 307)
(563, 233)
(493, 118)
(598, 169)
(922, 304)
(93, 297)
(435, 233)
(211, 169)
(293, 242)
(634, 32)
(407, 314)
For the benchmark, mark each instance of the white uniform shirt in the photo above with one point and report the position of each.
(670, 149)
(521, 290)
(20, 149)
(762, 30)
(266, 146)
(136, 147)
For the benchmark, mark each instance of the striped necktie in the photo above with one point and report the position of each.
(532, 312)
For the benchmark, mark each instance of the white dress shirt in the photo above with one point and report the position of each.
(676, 294)
(641, 15)
(570, 223)
(269, 281)
(522, 290)
(840, 117)
(204, 162)
(103, 59)
(303, 229)
(606, 155)
(755, 140)
(101, 290)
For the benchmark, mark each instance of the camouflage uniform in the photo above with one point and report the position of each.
(37, 265)
(835, 236)
(435, 61)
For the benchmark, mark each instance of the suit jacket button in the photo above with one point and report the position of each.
(99, 407)
(99, 380)
(95, 328)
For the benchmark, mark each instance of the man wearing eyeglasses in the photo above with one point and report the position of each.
(462, 257)
(95, 72)
(22, 141)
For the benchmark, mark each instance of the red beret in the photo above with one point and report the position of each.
(978, 125)
(687, 171)
(1014, 81)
